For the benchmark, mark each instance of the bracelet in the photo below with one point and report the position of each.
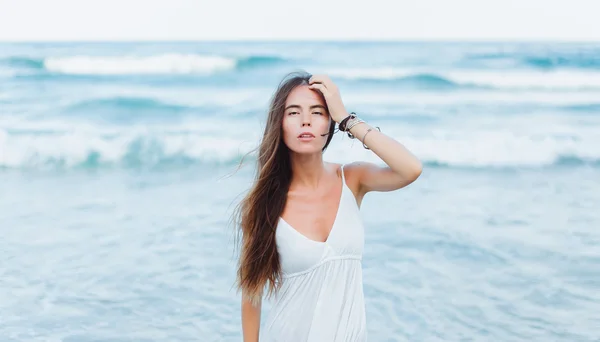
(352, 124)
(342, 125)
(364, 136)
(350, 121)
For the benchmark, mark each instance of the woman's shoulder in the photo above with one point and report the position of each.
(351, 173)
(354, 168)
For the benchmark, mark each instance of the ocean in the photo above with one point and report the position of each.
(119, 173)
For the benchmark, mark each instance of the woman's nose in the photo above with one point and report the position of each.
(306, 120)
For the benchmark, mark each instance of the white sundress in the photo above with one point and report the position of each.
(321, 295)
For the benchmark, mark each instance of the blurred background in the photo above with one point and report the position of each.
(122, 126)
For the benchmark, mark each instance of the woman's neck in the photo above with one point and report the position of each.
(307, 170)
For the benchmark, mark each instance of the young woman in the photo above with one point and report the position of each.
(301, 233)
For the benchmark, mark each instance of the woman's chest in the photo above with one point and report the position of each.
(313, 219)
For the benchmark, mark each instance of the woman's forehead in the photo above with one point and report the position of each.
(304, 96)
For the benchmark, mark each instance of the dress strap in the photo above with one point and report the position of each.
(342, 170)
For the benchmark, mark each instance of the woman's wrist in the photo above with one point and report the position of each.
(356, 128)
(343, 124)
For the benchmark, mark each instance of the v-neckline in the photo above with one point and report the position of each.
(337, 214)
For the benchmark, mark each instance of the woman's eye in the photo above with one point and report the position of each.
(292, 113)
(319, 113)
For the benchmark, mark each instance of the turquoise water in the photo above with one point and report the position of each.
(114, 198)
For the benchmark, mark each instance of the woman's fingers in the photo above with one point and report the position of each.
(321, 87)
(323, 79)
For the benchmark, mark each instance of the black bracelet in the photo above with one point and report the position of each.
(342, 124)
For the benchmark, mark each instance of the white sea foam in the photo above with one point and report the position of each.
(207, 143)
(561, 79)
(126, 65)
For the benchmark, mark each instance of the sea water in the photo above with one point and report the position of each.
(118, 178)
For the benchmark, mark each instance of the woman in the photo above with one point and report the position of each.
(302, 237)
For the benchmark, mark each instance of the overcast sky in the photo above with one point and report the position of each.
(42, 20)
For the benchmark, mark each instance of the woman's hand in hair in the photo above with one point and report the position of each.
(330, 91)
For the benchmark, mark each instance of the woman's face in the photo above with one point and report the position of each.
(305, 120)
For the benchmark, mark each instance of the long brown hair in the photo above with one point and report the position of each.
(257, 215)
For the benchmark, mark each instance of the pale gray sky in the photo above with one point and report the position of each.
(307, 19)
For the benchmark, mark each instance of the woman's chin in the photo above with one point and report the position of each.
(306, 149)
